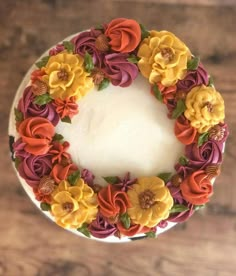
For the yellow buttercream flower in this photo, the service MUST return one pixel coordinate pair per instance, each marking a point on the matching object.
(74, 205)
(151, 201)
(163, 58)
(205, 108)
(66, 77)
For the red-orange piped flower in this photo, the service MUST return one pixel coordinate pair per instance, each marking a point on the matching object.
(197, 188)
(59, 152)
(124, 34)
(66, 108)
(60, 172)
(168, 93)
(133, 230)
(184, 132)
(37, 133)
(112, 202)
(37, 75)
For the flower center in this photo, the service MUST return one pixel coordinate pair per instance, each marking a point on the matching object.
(63, 75)
(68, 206)
(146, 199)
(46, 185)
(209, 106)
(167, 54)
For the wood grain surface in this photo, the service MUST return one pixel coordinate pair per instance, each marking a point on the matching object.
(31, 245)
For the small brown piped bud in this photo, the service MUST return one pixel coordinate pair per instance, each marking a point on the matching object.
(180, 95)
(217, 133)
(46, 185)
(39, 87)
(176, 180)
(98, 76)
(96, 188)
(102, 43)
(212, 171)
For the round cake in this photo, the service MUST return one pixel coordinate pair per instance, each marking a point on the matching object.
(117, 133)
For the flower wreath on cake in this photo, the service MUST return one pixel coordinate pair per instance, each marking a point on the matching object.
(114, 54)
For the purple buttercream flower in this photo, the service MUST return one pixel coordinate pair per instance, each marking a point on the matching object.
(32, 168)
(85, 42)
(88, 177)
(54, 51)
(178, 199)
(19, 149)
(30, 109)
(125, 183)
(120, 71)
(100, 228)
(193, 78)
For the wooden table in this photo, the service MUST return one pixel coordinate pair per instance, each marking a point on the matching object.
(32, 245)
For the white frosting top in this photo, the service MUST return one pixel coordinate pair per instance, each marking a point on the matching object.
(122, 129)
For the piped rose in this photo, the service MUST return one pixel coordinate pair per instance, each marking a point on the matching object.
(112, 202)
(30, 109)
(32, 168)
(124, 34)
(119, 70)
(60, 172)
(197, 188)
(37, 134)
(184, 132)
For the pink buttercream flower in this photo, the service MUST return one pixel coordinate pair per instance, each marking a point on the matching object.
(119, 70)
(57, 49)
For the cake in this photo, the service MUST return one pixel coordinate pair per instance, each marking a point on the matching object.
(117, 133)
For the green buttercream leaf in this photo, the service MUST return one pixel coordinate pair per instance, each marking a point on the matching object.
(43, 62)
(111, 179)
(151, 234)
(211, 81)
(178, 208)
(42, 99)
(133, 59)
(74, 177)
(89, 66)
(66, 119)
(84, 230)
(144, 32)
(193, 63)
(157, 92)
(45, 206)
(58, 137)
(165, 176)
(198, 207)
(183, 160)
(99, 27)
(202, 138)
(69, 46)
(104, 84)
(125, 219)
(18, 115)
(179, 109)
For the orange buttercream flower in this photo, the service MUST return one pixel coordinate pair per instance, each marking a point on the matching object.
(37, 133)
(60, 172)
(112, 202)
(168, 93)
(132, 230)
(185, 133)
(124, 34)
(66, 107)
(60, 153)
(197, 188)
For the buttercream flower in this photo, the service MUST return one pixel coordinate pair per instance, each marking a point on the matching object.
(124, 34)
(204, 108)
(150, 201)
(101, 228)
(37, 134)
(88, 177)
(28, 108)
(125, 183)
(168, 93)
(178, 199)
(59, 152)
(199, 157)
(193, 78)
(184, 132)
(163, 58)
(57, 49)
(119, 70)
(32, 168)
(134, 229)
(66, 77)
(37, 75)
(74, 205)
(197, 188)
(219, 133)
(66, 108)
(60, 172)
(112, 202)
(19, 149)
